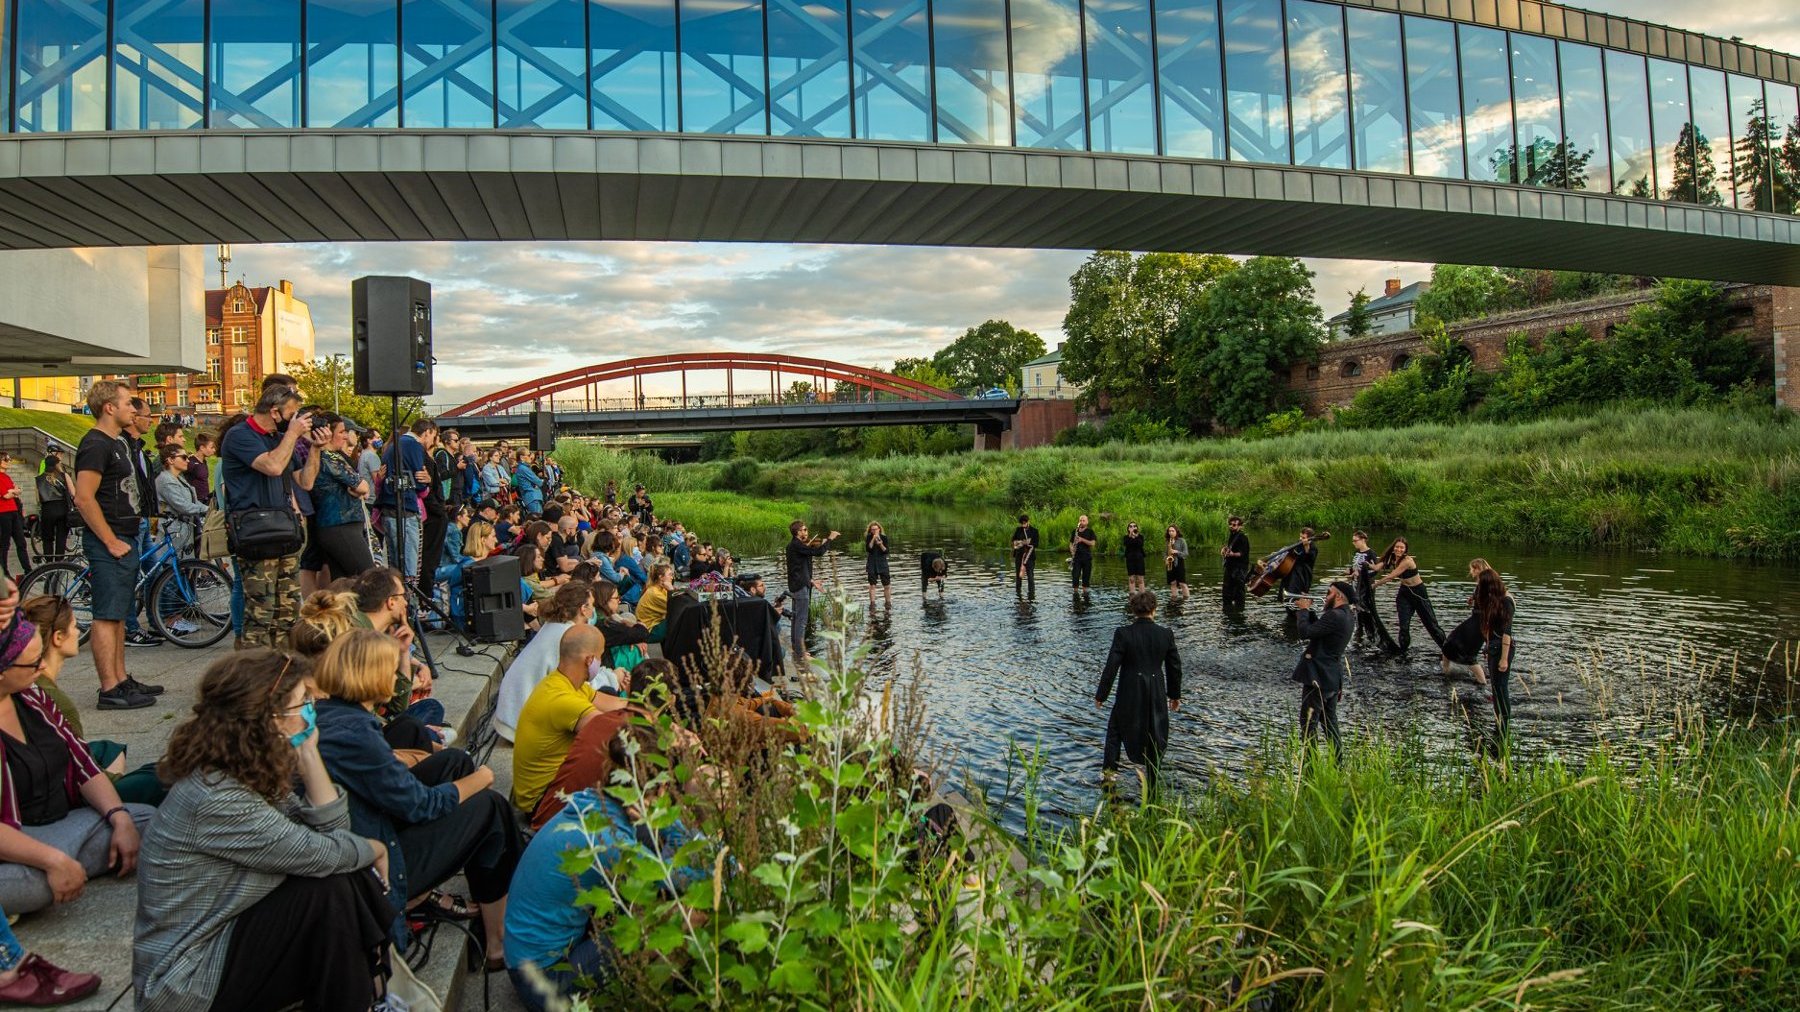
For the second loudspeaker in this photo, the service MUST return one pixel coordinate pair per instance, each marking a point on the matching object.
(390, 336)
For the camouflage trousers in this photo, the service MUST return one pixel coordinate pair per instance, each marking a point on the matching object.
(271, 600)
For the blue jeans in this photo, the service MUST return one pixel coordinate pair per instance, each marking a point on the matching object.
(800, 606)
(237, 599)
(585, 959)
(112, 583)
(143, 549)
(402, 549)
(11, 952)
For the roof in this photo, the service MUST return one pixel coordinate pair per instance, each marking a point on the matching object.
(1389, 303)
(1053, 358)
(215, 303)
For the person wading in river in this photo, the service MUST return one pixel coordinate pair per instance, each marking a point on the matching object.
(1236, 554)
(800, 555)
(1411, 597)
(1362, 577)
(1081, 553)
(1321, 670)
(1147, 665)
(875, 561)
(1024, 554)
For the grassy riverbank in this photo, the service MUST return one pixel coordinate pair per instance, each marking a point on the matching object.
(1694, 481)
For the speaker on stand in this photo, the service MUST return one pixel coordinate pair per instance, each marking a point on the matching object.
(390, 336)
(543, 432)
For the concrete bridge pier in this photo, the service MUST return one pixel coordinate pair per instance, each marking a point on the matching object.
(988, 435)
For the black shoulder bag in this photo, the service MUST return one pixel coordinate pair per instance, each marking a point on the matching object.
(262, 534)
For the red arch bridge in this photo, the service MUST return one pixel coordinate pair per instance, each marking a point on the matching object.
(758, 394)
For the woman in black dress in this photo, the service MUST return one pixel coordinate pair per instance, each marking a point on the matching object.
(1411, 597)
(1494, 610)
(875, 549)
(1134, 559)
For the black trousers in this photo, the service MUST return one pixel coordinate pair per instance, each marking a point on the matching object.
(346, 549)
(1409, 600)
(1234, 590)
(320, 943)
(53, 527)
(1083, 569)
(1318, 711)
(1030, 569)
(431, 546)
(1109, 756)
(1501, 682)
(12, 534)
(481, 838)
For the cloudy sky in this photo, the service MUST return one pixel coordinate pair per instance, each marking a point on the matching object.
(508, 312)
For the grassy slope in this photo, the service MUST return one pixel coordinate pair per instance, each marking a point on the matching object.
(66, 427)
(1692, 481)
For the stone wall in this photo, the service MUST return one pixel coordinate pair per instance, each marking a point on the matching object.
(1038, 422)
(1346, 367)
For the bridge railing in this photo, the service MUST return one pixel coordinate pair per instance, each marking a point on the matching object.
(568, 402)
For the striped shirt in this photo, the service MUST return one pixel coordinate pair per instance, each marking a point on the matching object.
(82, 767)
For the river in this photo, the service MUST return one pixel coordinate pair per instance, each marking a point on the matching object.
(1609, 646)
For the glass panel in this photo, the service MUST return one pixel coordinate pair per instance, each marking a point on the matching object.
(60, 45)
(449, 52)
(634, 64)
(352, 63)
(256, 63)
(1046, 62)
(1121, 99)
(1537, 106)
(1436, 98)
(1187, 54)
(1628, 124)
(1673, 136)
(1377, 91)
(1712, 137)
(541, 63)
(973, 97)
(892, 79)
(1256, 79)
(1784, 134)
(1487, 103)
(722, 70)
(1584, 116)
(809, 69)
(159, 64)
(1319, 85)
(1753, 170)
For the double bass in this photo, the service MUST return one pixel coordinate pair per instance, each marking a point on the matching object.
(1272, 570)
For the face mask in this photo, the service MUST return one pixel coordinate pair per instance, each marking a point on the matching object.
(594, 619)
(309, 716)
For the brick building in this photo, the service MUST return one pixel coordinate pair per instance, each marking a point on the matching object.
(250, 332)
(1768, 315)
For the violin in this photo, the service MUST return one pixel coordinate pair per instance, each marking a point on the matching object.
(1272, 570)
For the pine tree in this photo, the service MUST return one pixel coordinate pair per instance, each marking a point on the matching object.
(1755, 163)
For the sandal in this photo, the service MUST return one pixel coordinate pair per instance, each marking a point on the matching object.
(443, 906)
(41, 984)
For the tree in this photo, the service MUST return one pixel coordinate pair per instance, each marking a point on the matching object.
(1755, 161)
(1696, 175)
(331, 382)
(1238, 342)
(903, 366)
(988, 355)
(1787, 170)
(1357, 319)
(1124, 313)
(1464, 293)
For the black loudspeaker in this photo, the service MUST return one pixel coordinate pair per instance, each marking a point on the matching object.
(390, 336)
(493, 605)
(543, 434)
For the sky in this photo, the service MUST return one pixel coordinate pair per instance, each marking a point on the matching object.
(504, 313)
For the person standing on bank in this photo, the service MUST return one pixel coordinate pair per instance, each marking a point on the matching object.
(800, 555)
(1134, 559)
(1321, 670)
(1024, 554)
(1236, 554)
(106, 494)
(1147, 665)
(53, 506)
(1411, 597)
(256, 465)
(875, 549)
(1175, 560)
(1082, 543)
(12, 521)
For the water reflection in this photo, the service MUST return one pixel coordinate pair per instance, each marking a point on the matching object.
(1607, 647)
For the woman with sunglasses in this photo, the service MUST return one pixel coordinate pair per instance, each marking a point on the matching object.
(255, 896)
(1134, 559)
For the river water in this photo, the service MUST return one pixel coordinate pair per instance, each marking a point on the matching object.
(1609, 646)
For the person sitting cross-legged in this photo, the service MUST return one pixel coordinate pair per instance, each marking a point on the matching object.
(559, 707)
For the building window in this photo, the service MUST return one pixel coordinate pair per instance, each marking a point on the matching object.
(1401, 361)
(212, 370)
(1351, 369)
(240, 363)
(237, 305)
(240, 335)
(212, 335)
(1312, 372)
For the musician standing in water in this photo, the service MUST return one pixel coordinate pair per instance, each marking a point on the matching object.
(1321, 670)
(1236, 554)
(875, 555)
(1148, 667)
(1306, 555)
(1081, 553)
(1368, 620)
(1398, 564)
(1176, 561)
(1024, 554)
(1134, 559)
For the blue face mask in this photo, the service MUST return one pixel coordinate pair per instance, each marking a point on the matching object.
(309, 715)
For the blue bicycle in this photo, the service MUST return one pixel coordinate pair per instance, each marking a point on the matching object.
(188, 599)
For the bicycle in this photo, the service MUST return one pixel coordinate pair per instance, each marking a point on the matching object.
(188, 600)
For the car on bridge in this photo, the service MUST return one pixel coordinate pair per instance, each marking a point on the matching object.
(994, 394)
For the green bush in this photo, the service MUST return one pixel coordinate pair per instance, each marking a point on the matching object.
(738, 475)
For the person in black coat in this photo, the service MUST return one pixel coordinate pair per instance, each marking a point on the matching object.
(1148, 667)
(1236, 554)
(1321, 670)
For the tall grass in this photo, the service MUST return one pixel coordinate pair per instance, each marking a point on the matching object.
(1694, 481)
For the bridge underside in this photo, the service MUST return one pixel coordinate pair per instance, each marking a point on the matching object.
(991, 416)
(264, 186)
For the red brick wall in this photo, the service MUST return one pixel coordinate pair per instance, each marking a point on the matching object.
(1756, 309)
(1038, 422)
(1784, 325)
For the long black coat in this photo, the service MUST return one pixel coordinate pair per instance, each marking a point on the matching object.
(1327, 636)
(1148, 667)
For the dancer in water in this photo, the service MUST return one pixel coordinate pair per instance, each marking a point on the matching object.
(1082, 542)
(1024, 554)
(1236, 554)
(1362, 577)
(1134, 558)
(1398, 564)
(933, 568)
(1175, 561)
(1147, 665)
(1321, 670)
(875, 551)
(1494, 609)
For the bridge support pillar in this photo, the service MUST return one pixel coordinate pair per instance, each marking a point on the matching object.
(1785, 307)
(988, 435)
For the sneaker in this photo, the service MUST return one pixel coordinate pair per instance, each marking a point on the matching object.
(121, 697)
(142, 639)
(183, 626)
(446, 735)
(41, 983)
(141, 688)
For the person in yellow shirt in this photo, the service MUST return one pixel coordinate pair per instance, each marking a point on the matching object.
(558, 708)
(653, 607)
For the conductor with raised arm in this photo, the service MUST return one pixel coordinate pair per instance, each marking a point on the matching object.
(801, 551)
(1321, 669)
(1147, 666)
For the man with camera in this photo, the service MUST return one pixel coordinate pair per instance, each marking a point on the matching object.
(258, 470)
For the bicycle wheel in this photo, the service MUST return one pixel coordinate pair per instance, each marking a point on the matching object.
(190, 604)
(63, 579)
